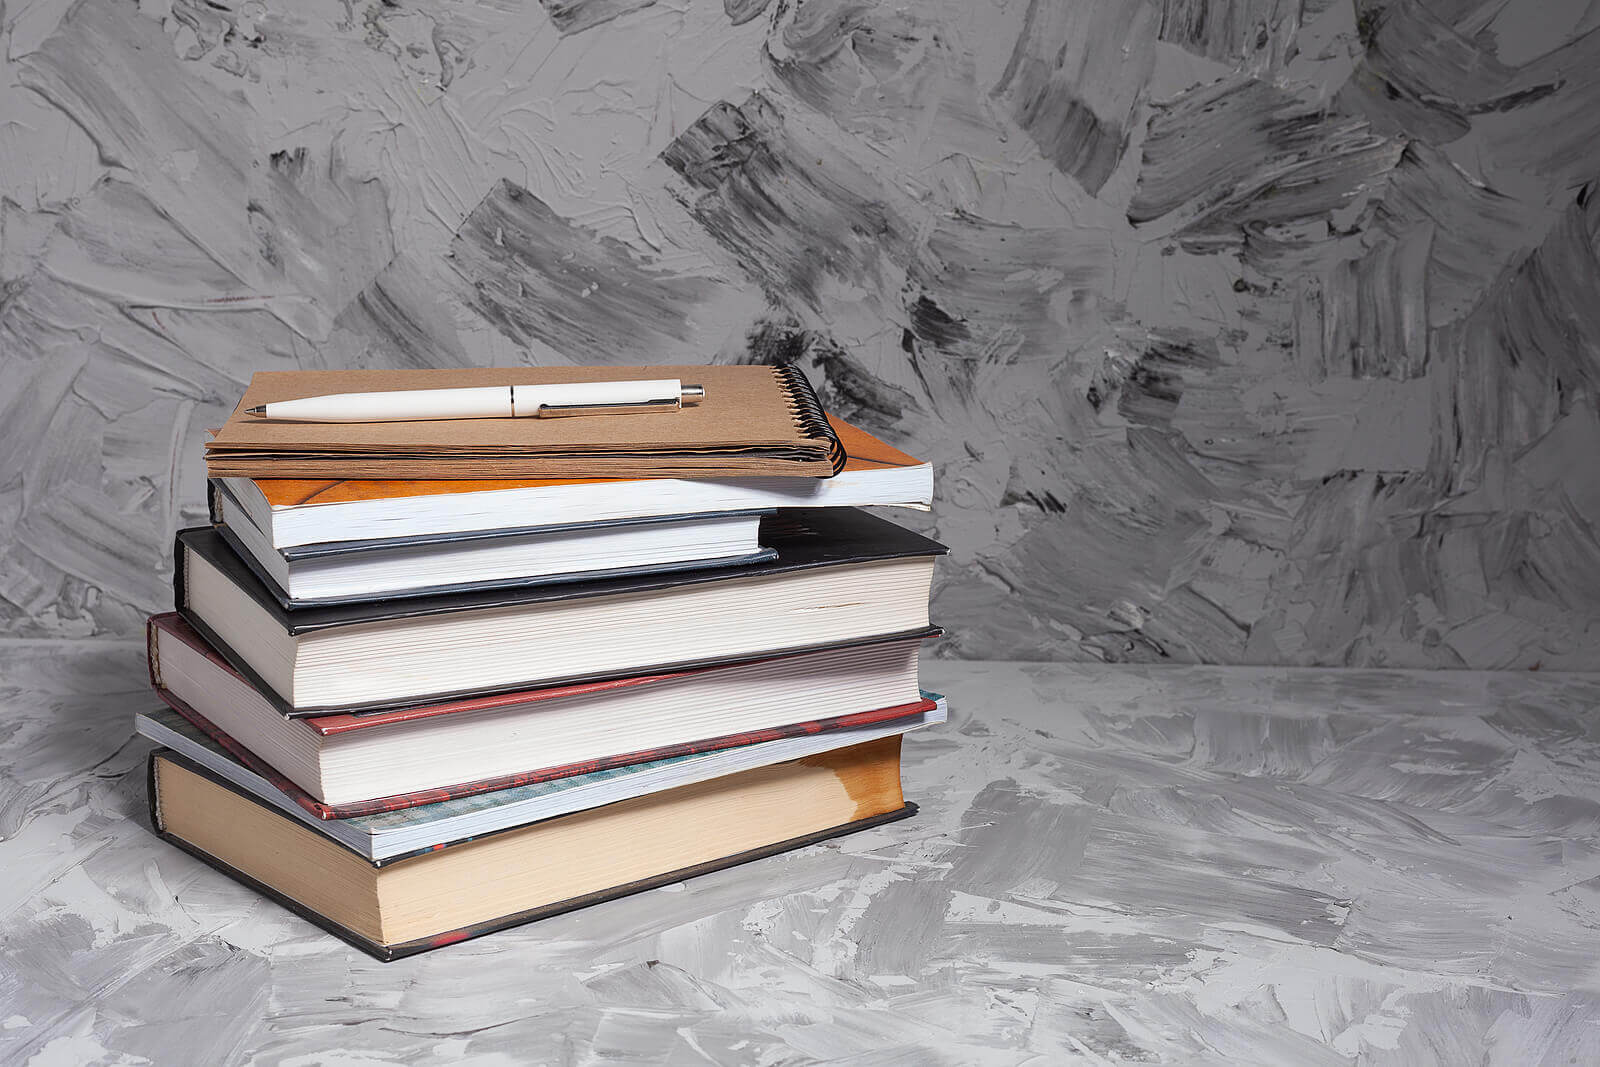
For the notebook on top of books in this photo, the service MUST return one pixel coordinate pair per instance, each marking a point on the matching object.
(753, 421)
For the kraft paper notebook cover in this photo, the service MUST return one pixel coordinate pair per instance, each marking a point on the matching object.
(754, 420)
(187, 800)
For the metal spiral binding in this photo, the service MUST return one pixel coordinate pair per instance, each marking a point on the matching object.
(807, 412)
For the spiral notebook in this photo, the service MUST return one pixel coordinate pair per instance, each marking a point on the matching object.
(754, 421)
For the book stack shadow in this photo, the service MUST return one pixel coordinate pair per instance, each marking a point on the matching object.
(417, 711)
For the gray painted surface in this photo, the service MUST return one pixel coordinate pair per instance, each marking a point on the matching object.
(1112, 864)
(1240, 330)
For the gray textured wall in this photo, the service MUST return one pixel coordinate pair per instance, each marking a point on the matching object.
(1240, 330)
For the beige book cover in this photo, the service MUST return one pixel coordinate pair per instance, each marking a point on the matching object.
(753, 421)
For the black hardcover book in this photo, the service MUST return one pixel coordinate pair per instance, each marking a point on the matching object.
(401, 651)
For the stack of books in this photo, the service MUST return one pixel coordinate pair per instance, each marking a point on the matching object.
(417, 710)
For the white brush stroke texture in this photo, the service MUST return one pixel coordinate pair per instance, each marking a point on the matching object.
(1376, 461)
(1110, 864)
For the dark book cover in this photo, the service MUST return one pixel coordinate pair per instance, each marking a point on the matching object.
(804, 539)
(389, 953)
(172, 623)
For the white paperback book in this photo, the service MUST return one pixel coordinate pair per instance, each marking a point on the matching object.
(333, 573)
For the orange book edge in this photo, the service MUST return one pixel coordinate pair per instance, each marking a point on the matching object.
(865, 453)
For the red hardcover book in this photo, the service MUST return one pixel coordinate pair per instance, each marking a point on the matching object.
(189, 676)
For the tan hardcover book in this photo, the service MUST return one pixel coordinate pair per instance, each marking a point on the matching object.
(753, 421)
(518, 875)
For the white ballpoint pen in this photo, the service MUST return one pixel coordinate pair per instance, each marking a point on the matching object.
(488, 402)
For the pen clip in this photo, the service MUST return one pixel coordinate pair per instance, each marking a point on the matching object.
(556, 411)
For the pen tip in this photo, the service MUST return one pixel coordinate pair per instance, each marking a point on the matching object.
(692, 394)
(259, 409)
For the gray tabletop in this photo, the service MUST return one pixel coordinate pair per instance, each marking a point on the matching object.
(1192, 865)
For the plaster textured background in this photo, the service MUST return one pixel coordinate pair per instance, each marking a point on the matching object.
(1240, 330)
(1203, 866)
